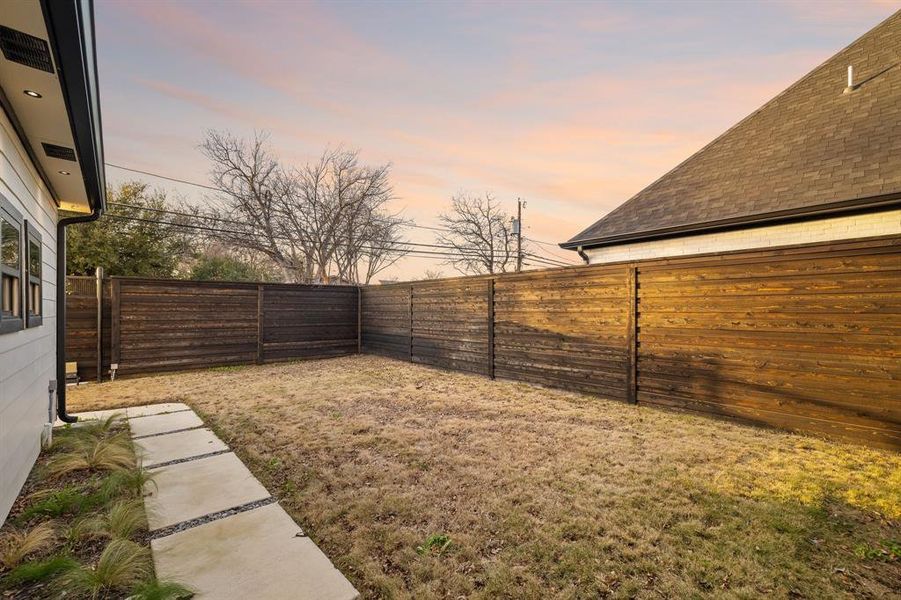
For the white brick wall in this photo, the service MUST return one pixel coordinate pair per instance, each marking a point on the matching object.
(821, 230)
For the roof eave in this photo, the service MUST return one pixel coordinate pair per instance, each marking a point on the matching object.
(70, 25)
(846, 206)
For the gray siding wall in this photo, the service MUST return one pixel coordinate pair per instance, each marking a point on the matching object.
(27, 357)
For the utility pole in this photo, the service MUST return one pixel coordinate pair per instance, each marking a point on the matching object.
(517, 230)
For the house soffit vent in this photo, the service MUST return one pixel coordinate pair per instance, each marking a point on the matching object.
(25, 49)
(61, 152)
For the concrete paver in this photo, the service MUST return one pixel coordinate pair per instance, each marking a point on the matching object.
(177, 446)
(199, 487)
(155, 409)
(163, 423)
(260, 553)
(255, 554)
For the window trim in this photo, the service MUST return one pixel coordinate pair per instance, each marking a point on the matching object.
(32, 235)
(13, 324)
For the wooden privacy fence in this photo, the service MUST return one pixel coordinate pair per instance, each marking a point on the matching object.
(149, 325)
(803, 338)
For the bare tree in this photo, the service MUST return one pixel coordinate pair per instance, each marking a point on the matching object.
(432, 274)
(341, 206)
(480, 234)
(325, 222)
(254, 190)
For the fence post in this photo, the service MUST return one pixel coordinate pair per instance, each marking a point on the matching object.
(359, 319)
(632, 337)
(259, 323)
(411, 323)
(115, 325)
(98, 281)
(491, 328)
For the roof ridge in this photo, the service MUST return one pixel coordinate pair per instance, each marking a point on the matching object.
(581, 235)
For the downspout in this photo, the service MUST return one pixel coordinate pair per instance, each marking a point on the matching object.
(583, 255)
(61, 225)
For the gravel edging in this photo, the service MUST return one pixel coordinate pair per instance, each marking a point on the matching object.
(149, 435)
(177, 461)
(166, 531)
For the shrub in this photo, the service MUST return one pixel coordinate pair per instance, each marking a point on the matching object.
(130, 482)
(16, 544)
(104, 454)
(122, 565)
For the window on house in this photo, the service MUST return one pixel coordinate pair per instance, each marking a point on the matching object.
(33, 297)
(10, 269)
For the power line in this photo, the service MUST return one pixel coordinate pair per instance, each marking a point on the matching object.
(233, 222)
(457, 254)
(549, 245)
(215, 189)
(244, 224)
(175, 179)
(547, 261)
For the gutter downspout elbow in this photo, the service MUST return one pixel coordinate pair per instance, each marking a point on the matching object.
(583, 255)
(61, 225)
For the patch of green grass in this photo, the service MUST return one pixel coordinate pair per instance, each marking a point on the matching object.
(38, 570)
(160, 590)
(131, 482)
(71, 500)
(889, 550)
(437, 543)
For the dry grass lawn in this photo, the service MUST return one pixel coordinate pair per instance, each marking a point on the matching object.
(542, 493)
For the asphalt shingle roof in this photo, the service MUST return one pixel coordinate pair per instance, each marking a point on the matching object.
(809, 147)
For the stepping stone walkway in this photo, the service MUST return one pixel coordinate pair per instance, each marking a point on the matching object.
(213, 526)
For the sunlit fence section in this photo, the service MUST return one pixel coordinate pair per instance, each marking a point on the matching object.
(805, 338)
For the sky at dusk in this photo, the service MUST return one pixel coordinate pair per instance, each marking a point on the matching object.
(574, 107)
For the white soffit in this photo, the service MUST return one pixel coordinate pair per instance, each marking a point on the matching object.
(44, 120)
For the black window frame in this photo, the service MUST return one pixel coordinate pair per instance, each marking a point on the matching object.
(32, 235)
(10, 323)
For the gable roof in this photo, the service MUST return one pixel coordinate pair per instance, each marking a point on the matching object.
(812, 149)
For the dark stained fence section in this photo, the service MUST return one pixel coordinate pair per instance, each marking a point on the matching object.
(154, 325)
(450, 324)
(564, 328)
(386, 321)
(173, 325)
(300, 321)
(806, 341)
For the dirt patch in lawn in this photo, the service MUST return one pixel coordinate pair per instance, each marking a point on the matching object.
(419, 482)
